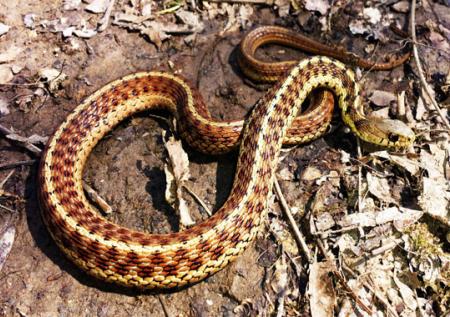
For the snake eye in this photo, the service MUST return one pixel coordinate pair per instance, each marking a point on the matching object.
(393, 137)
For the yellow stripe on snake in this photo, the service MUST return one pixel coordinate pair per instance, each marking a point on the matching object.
(117, 254)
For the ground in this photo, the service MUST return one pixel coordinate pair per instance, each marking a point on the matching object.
(47, 68)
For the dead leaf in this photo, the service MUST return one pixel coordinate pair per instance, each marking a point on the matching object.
(84, 33)
(4, 28)
(16, 69)
(409, 297)
(286, 174)
(146, 8)
(10, 54)
(177, 172)
(97, 6)
(435, 198)
(382, 113)
(69, 5)
(191, 19)
(321, 290)
(6, 242)
(382, 98)
(6, 74)
(412, 166)
(245, 16)
(420, 109)
(439, 42)
(372, 15)
(4, 110)
(311, 173)
(53, 77)
(280, 281)
(283, 7)
(379, 187)
(372, 219)
(321, 6)
(29, 20)
(358, 27)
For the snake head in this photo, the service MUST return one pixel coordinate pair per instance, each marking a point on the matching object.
(394, 133)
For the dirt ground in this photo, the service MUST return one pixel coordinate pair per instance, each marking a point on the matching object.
(127, 167)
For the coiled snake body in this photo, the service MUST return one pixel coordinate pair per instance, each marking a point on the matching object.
(131, 258)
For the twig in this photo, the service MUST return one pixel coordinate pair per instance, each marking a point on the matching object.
(93, 195)
(5, 166)
(380, 250)
(375, 171)
(7, 208)
(198, 199)
(166, 313)
(420, 69)
(30, 147)
(6, 179)
(297, 234)
(358, 149)
(104, 21)
(360, 199)
(4, 193)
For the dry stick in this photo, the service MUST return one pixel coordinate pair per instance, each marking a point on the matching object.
(380, 250)
(1, 190)
(8, 209)
(29, 146)
(360, 199)
(104, 21)
(6, 179)
(161, 301)
(198, 199)
(34, 149)
(93, 195)
(5, 166)
(420, 69)
(298, 235)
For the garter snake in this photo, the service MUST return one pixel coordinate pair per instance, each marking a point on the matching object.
(117, 254)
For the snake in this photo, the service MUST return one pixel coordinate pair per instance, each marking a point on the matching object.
(131, 258)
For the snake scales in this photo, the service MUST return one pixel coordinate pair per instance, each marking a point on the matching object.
(131, 258)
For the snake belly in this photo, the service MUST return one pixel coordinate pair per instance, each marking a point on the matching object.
(131, 258)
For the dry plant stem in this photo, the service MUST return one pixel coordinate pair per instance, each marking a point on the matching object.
(6, 166)
(7, 209)
(93, 195)
(420, 69)
(380, 250)
(104, 21)
(30, 147)
(161, 301)
(34, 149)
(298, 235)
(198, 199)
(360, 199)
(341, 278)
(6, 179)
